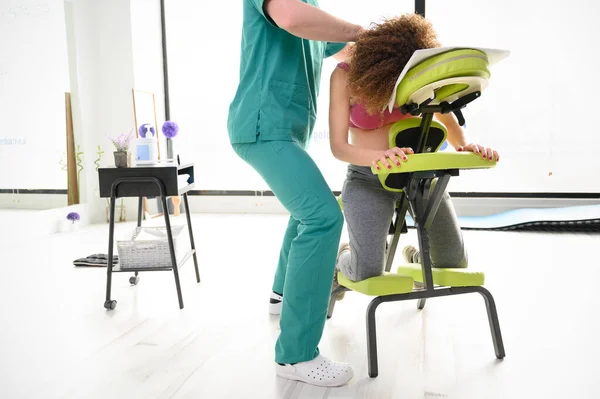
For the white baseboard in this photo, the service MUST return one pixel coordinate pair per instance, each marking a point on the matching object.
(229, 204)
(33, 201)
(37, 223)
(463, 206)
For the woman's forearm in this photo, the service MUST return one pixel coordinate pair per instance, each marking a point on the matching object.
(456, 135)
(355, 155)
(309, 22)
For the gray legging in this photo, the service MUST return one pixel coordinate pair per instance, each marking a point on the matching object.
(368, 210)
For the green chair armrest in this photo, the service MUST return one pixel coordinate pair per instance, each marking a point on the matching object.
(437, 161)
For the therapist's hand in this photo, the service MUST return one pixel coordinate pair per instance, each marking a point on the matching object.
(310, 22)
(393, 156)
(361, 30)
(486, 153)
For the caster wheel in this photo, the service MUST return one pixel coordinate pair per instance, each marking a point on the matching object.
(110, 305)
(133, 280)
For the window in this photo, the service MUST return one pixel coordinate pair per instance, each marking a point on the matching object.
(530, 112)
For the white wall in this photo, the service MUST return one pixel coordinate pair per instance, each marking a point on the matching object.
(529, 113)
(103, 50)
(34, 77)
(146, 34)
(117, 48)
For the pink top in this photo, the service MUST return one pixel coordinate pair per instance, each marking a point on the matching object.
(361, 119)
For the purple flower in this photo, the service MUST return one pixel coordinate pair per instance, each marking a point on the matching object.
(142, 131)
(170, 129)
(73, 217)
(122, 142)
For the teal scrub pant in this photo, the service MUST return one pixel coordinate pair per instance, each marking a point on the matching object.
(306, 265)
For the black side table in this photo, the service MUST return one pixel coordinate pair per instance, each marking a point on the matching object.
(147, 181)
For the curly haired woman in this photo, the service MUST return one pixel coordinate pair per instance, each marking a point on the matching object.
(360, 89)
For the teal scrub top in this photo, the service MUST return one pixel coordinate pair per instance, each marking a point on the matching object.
(279, 81)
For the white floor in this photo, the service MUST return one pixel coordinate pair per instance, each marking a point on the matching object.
(57, 341)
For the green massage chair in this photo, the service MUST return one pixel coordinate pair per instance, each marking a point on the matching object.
(434, 81)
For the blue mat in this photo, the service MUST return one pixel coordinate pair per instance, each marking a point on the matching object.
(572, 219)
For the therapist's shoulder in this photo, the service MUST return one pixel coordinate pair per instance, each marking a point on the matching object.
(265, 8)
(281, 14)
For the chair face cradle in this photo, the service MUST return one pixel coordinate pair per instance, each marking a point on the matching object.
(443, 83)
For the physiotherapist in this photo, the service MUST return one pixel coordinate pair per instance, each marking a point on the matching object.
(271, 119)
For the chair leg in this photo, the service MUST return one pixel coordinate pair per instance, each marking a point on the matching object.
(331, 308)
(372, 337)
(421, 303)
(391, 249)
(333, 299)
(490, 304)
(397, 227)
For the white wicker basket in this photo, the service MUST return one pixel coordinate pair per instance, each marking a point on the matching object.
(150, 252)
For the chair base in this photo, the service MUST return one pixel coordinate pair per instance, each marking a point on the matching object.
(422, 295)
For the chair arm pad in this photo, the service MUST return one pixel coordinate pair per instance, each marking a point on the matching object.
(437, 161)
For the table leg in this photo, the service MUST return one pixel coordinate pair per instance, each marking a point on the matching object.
(108, 303)
(172, 250)
(189, 223)
(140, 211)
(176, 205)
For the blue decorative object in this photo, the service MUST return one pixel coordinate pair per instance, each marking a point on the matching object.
(73, 217)
(170, 129)
(145, 129)
(142, 152)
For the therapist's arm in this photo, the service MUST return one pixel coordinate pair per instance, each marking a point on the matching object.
(309, 22)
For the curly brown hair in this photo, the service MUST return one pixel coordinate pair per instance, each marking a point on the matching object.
(380, 54)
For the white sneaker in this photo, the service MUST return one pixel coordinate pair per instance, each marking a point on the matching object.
(275, 303)
(411, 254)
(343, 248)
(320, 371)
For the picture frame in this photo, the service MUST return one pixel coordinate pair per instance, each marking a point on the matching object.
(144, 111)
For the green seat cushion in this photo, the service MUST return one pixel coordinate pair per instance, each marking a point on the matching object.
(448, 65)
(387, 284)
(437, 161)
(445, 277)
